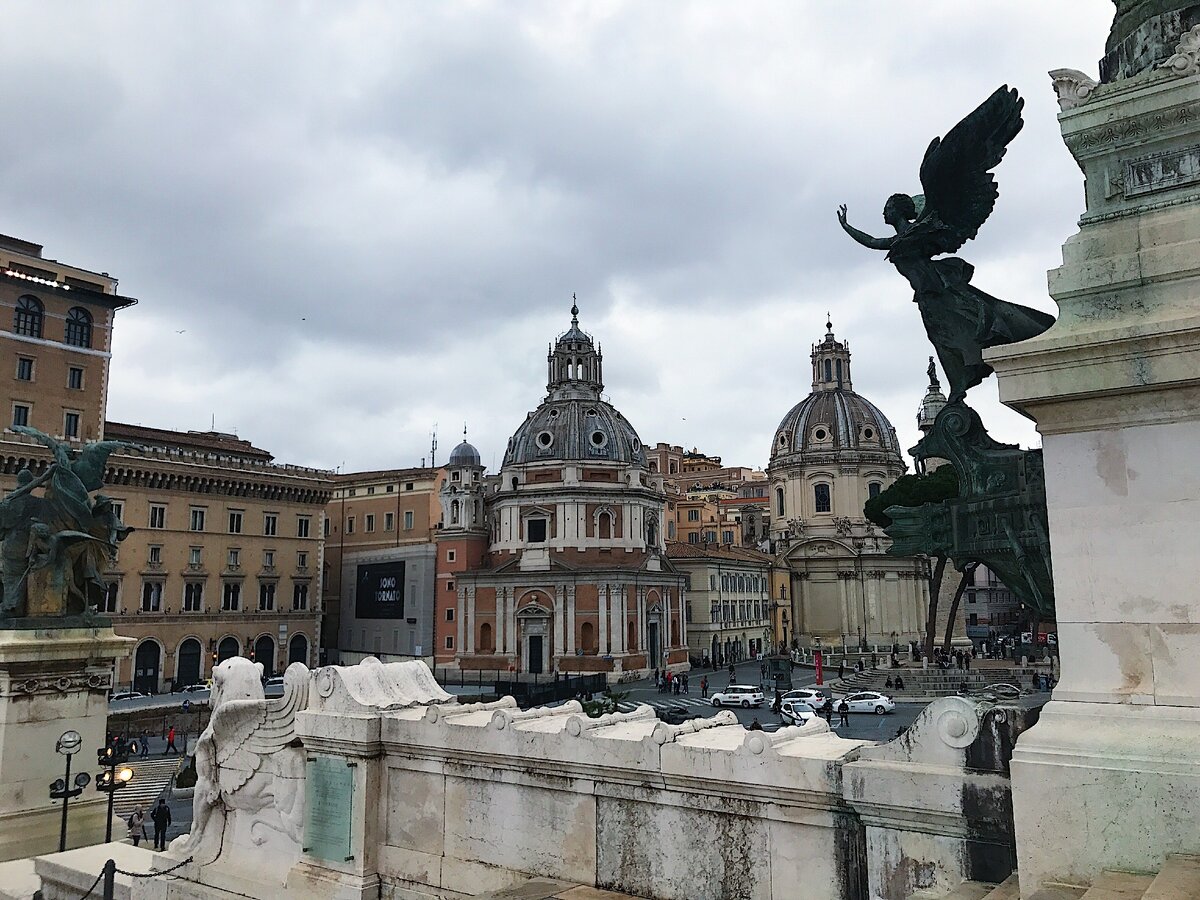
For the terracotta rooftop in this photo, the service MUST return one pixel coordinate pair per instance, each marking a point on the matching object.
(205, 441)
(681, 550)
(386, 474)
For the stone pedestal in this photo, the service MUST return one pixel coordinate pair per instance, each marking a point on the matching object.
(52, 680)
(1110, 776)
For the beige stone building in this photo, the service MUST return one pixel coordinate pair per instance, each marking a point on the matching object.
(729, 614)
(831, 452)
(225, 558)
(381, 524)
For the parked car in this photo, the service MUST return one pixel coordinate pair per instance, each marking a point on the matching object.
(124, 695)
(277, 681)
(811, 696)
(795, 712)
(195, 688)
(743, 695)
(869, 701)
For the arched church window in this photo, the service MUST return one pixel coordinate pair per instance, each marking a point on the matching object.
(874, 488)
(779, 501)
(839, 371)
(604, 526)
(79, 327)
(485, 638)
(828, 371)
(454, 513)
(587, 638)
(821, 497)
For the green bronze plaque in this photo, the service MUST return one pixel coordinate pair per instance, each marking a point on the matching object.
(328, 808)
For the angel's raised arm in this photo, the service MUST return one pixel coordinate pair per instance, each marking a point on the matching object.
(871, 243)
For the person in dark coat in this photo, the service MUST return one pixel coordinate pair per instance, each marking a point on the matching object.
(161, 816)
(844, 713)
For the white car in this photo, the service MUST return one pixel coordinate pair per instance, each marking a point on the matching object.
(867, 701)
(795, 712)
(743, 695)
(125, 695)
(195, 688)
(811, 696)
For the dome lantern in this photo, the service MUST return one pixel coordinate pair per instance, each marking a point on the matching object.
(831, 362)
(575, 364)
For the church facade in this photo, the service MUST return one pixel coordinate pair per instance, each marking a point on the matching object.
(557, 562)
(830, 454)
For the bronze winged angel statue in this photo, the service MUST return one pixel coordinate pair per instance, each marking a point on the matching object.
(960, 319)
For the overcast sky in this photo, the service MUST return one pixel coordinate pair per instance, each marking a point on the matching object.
(346, 222)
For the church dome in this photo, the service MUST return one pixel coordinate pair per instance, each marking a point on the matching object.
(464, 455)
(573, 422)
(833, 417)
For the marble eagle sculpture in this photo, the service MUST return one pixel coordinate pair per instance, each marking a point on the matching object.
(249, 765)
(959, 195)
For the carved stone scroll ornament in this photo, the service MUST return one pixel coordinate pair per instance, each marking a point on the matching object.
(1186, 60)
(250, 766)
(1072, 87)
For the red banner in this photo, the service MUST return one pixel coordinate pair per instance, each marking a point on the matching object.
(820, 667)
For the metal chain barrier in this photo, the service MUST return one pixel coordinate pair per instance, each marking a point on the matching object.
(117, 871)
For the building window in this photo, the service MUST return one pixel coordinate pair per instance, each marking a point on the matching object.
(231, 596)
(28, 318)
(450, 585)
(266, 596)
(234, 559)
(152, 596)
(20, 414)
(873, 489)
(408, 486)
(371, 490)
(353, 491)
(300, 595)
(687, 612)
(118, 510)
(326, 529)
(449, 642)
(973, 619)
(710, 537)
(270, 524)
(408, 520)
(693, 538)
(455, 476)
(79, 327)
(24, 368)
(451, 556)
(194, 556)
(302, 525)
(821, 497)
(71, 425)
(535, 531)
(196, 519)
(193, 596)
(727, 537)
(693, 515)
(450, 614)
(350, 525)
(155, 557)
(779, 501)
(389, 521)
(158, 515)
(235, 521)
(712, 582)
(75, 378)
(302, 560)
(108, 600)
(268, 559)
(369, 522)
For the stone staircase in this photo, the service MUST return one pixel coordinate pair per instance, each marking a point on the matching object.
(1179, 879)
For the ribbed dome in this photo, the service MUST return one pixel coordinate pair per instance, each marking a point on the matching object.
(464, 455)
(575, 429)
(828, 420)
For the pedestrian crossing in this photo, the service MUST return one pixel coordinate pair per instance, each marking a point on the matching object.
(150, 776)
(675, 701)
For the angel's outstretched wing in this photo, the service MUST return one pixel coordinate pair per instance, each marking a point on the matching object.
(246, 731)
(959, 189)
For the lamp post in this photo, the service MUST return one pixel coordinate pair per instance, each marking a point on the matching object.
(63, 788)
(113, 779)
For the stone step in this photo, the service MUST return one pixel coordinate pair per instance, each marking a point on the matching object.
(968, 890)
(1057, 892)
(1179, 879)
(1118, 886)
(1009, 889)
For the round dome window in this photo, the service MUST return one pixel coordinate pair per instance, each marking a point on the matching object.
(599, 439)
(591, 412)
(637, 445)
(868, 433)
(554, 413)
(821, 434)
(545, 439)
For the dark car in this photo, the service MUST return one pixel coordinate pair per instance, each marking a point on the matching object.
(675, 715)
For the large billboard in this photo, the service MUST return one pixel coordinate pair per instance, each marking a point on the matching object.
(380, 591)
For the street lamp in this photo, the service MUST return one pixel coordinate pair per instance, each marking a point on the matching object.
(113, 779)
(63, 788)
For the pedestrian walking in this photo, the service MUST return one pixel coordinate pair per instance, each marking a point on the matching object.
(171, 748)
(657, 676)
(161, 817)
(137, 825)
(676, 684)
(843, 713)
(704, 687)
(145, 743)
(732, 673)
(842, 669)
(685, 682)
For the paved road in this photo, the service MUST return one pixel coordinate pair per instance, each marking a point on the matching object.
(862, 725)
